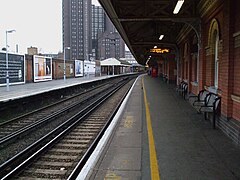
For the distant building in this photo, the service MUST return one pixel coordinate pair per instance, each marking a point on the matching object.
(50, 55)
(76, 22)
(131, 60)
(88, 32)
(110, 43)
(32, 50)
(97, 28)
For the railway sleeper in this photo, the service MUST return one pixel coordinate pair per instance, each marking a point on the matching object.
(56, 158)
(59, 165)
(81, 129)
(43, 173)
(77, 138)
(75, 151)
(71, 146)
(82, 134)
(75, 141)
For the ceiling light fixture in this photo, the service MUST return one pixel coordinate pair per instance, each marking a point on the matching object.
(178, 6)
(161, 37)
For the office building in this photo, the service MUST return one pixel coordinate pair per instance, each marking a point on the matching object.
(110, 43)
(88, 32)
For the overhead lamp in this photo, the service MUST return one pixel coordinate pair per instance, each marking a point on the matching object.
(178, 6)
(155, 47)
(161, 37)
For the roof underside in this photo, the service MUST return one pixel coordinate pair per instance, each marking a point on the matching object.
(141, 22)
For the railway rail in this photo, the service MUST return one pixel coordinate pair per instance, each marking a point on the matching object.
(16, 124)
(44, 120)
(59, 151)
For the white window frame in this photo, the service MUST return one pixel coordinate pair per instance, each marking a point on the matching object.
(216, 61)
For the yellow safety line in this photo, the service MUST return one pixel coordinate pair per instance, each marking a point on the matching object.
(152, 151)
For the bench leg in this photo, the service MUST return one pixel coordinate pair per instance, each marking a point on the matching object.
(214, 120)
(205, 115)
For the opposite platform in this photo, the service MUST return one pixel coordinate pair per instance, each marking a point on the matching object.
(186, 145)
(30, 89)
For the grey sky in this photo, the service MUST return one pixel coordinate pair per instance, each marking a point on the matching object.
(37, 23)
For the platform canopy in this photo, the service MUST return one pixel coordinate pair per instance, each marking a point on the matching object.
(110, 62)
(114, 62)
(142, 22)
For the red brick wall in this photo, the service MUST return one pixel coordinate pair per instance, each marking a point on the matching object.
(209, 74)
(236, 112)
(193, 70)
(28, 68)
(58, 71)
(229, 57)
(236, 86)
(236, 89)
(171, 67)
(227, 61)
(202, 57)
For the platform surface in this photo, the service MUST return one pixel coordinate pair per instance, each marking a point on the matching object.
(186, 145)
(28, 89)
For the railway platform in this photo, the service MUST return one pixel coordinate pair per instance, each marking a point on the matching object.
(156, 134)
(160, 136)
(29, 89)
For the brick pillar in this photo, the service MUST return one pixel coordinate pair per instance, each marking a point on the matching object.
(202, 60)
(227, 61)
(189, 72)
(171, 65)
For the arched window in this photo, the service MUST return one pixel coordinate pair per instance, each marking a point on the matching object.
(213, 43)
(216, 59)
(195, 59)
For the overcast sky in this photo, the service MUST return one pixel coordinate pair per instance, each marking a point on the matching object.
(37, 23)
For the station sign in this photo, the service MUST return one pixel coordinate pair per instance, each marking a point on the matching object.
(159, 50)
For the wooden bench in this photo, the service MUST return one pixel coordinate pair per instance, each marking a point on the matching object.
(211, 104)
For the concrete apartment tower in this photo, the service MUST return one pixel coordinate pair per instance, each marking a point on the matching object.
(98, 15)
(76, 23)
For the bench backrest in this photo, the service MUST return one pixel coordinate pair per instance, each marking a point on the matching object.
(213, 100)
(184, 86)
(216, 103)
(202, 95)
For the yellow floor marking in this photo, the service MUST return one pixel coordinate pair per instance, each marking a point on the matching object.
(128, 122)
(152, 151)
(112, 176)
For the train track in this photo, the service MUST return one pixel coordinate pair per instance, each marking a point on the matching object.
(61, 154)
(44, 120)
(15, 125)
